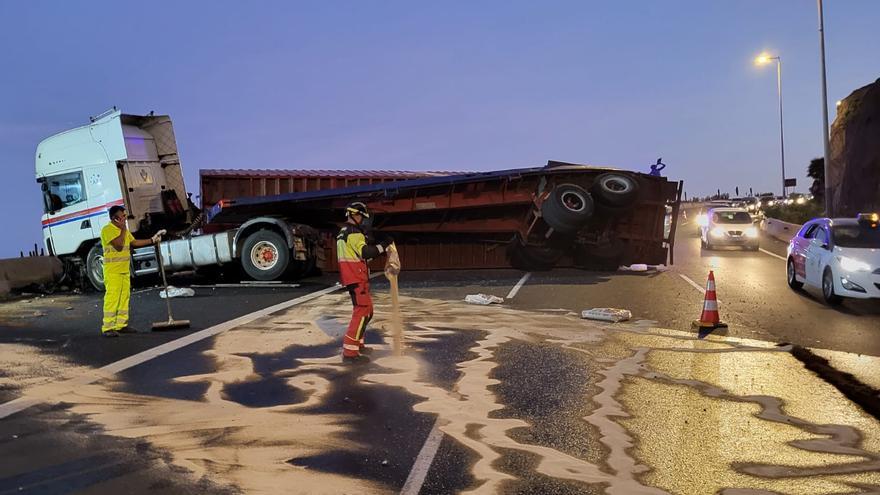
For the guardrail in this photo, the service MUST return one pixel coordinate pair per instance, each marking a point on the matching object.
(16, 273)
(783, 231)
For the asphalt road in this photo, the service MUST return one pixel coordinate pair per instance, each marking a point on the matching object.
(523, 397)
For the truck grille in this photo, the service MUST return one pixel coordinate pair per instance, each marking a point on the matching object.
(736, 232)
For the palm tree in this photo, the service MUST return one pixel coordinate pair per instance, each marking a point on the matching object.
(816, 170)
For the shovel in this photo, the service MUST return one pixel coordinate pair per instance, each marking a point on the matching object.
(171, 324)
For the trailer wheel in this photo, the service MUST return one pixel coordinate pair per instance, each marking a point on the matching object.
(265, 255)
(95, 267)
(567, 208)
(532, 258)
(615, 189)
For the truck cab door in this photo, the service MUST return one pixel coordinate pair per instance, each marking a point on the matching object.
(66, 219)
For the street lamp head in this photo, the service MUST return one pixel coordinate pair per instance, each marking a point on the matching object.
(764, 59)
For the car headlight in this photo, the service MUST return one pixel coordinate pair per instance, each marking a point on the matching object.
(752, 232)
(771, 203)
(852, 265)
(800, 201)
(717, 232)
(702, 220)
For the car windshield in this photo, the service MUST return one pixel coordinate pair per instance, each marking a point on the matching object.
(732, 217)
(856, 236)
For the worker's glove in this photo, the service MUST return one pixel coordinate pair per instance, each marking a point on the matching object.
(386, 241)
(158, 236)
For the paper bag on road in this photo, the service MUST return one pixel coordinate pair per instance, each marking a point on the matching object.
(606, 314)
(483, 299)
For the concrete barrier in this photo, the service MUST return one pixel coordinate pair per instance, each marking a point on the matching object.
(16, 273)
(783, 231)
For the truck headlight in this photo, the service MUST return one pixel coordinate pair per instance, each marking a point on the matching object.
(852, 265)
(717, 232)
(752, 232)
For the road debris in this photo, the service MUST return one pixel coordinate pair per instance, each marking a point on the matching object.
(606, 314)
(252, 285)
(173, 291)
(642, 267)
(483, 299)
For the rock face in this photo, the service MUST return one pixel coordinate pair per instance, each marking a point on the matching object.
(855, 153)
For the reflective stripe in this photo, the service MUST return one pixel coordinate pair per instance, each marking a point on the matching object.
(361, 327)
(117, 259)
(710, 305)
(350, 347)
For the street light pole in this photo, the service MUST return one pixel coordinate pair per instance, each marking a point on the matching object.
(765, 59)
(825, 144)
(781, 133)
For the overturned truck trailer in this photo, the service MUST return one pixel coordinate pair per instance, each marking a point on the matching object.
(562, 214)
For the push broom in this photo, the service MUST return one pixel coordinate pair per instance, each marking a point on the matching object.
(171, 324)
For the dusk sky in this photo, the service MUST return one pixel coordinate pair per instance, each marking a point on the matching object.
(434, 85)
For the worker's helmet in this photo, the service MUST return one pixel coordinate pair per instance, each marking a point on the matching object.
(357, 207)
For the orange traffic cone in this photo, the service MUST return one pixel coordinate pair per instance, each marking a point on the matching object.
(710, 318)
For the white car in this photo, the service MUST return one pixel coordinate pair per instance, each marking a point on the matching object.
(728, 227)
(840, 256)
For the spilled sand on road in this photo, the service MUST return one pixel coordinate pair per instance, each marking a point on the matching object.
(675, 413)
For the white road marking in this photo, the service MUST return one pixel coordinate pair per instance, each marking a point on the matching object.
(420, 468)
(518, 286)
(688, 280)
(25, 402)
(772, 254)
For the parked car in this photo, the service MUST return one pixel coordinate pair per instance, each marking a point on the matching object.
(729, 227)
(840, 256)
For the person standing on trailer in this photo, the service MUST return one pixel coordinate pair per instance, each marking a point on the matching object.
(353, 251)
(117, 242)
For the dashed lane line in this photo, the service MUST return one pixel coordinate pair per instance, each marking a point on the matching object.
(422, 465)
(694, 284)
(518, 286)
(771, 254)
(22, 403)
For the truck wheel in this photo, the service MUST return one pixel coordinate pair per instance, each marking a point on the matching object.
(615, 189)
(95, 267)
(568, 207)
(265, 255)
(531, 258)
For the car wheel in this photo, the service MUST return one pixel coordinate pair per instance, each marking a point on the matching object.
(95, 267)
(265, 255)
(791, 275)
(828, 294)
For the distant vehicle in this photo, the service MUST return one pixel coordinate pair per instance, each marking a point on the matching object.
(796, 199)
(840, 256)
(729, 227)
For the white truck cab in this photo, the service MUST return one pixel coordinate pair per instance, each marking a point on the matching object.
(132, 160)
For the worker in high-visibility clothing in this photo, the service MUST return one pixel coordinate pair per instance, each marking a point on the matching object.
(353, 250)
(117, 242)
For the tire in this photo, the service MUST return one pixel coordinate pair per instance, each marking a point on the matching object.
(265, 255)
(601, 258)
(790, 275)
(532, 258)
(828, 294)
(615, 189)
(568, 208)
(95, 267)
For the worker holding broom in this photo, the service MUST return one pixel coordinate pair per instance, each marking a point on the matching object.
(117, 242)
(353, 251)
